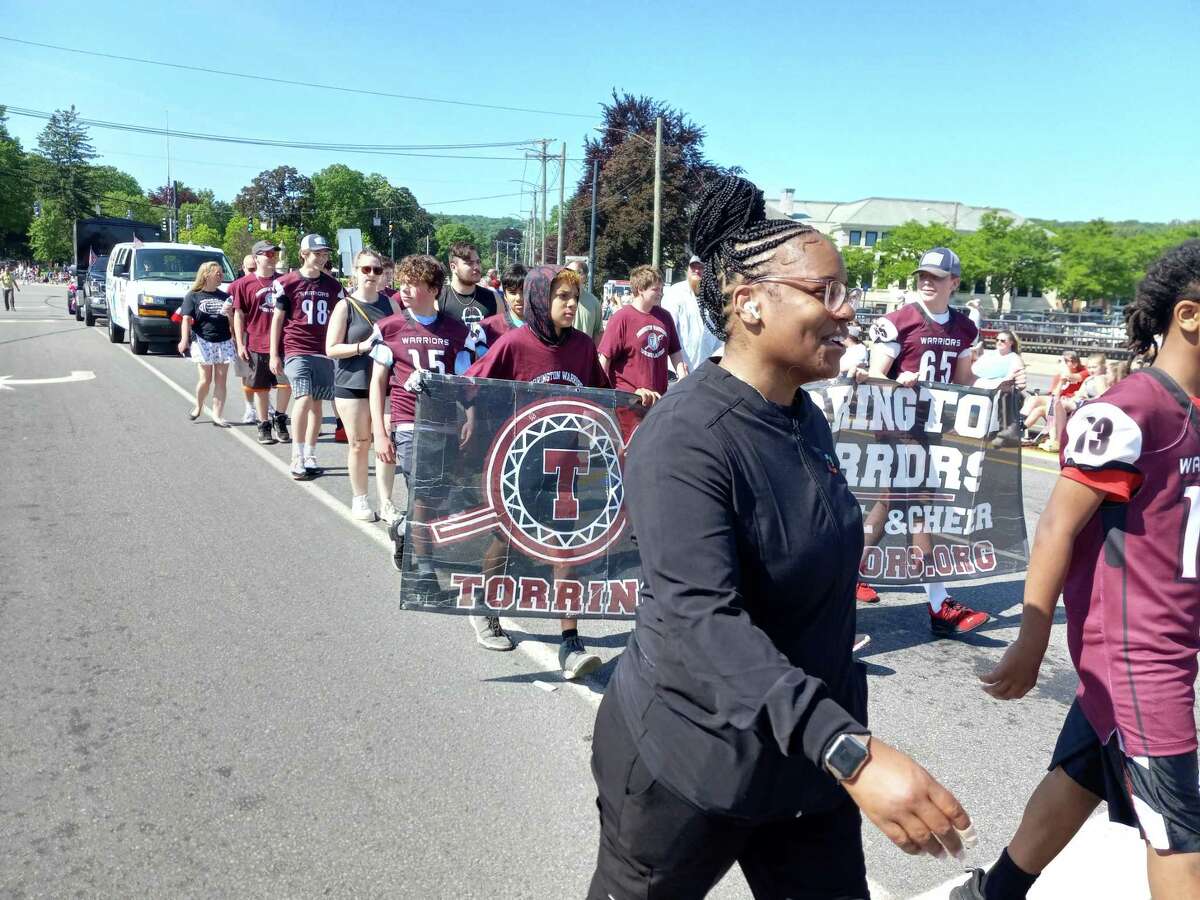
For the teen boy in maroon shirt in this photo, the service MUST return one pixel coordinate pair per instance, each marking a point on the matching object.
(253, 304)
(639, 340)
(1121, 538)
(547, 350)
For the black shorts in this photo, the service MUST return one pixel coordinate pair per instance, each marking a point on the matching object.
(1158, 795)
(654, 844)
(261, 377)
(349, 393)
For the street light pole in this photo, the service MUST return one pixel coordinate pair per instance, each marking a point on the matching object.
(592, 234)
(562, 184)
(656, 254)
(542, 248)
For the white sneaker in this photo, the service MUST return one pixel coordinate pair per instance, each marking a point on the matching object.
(388, 512)
(310, 465)
(249, 417)
(299, 473)
(361, 509)
(489, 634)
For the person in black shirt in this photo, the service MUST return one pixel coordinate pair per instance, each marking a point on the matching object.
(206, 311)
(734, 728)
(462, 296)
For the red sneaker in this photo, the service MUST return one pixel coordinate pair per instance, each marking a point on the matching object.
(954, 618)
(864, 593)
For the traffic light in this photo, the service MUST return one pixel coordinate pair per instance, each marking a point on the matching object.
(391, 228)
(37, 209)
(250, 226)
(164, 224)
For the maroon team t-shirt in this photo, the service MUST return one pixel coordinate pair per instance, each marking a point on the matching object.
(254, 296)
(1132, 591)
(307, 304)
(520, 356)
(496, 326)
(431, 348)
(638, 345)
(926, 347)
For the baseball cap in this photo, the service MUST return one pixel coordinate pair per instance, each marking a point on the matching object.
(264, 246)
(854, 330)
(314, 242)
(695, 259)
(940, 261)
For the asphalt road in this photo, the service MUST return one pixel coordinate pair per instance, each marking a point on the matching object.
(207, 688)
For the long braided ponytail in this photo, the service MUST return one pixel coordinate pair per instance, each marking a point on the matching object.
(733, 237)
(1173, 276)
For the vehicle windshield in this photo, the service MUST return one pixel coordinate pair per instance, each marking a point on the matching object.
(98, 267)
(175, 265)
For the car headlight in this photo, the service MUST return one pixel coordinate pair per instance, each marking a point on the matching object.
(148, 300)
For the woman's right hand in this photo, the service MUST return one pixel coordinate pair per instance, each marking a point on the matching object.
(385, 450)
(243, 353)
(183, 346)
(908, 805)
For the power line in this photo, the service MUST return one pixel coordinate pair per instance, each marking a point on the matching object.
(369, 149)
(304, 84)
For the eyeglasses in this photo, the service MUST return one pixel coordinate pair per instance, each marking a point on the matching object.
(835, 294)
(371, 270)
(1000, 340)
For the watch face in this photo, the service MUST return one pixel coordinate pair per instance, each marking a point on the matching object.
(846, 756)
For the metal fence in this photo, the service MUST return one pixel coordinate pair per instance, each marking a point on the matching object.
(1046, 332)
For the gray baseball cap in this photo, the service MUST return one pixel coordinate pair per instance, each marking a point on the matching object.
(314, 242)
(264, 246)
(940, 261)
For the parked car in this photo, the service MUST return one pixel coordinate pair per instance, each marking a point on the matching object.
(89, 302)
(146, 283)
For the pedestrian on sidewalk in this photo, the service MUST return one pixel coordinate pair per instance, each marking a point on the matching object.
(253, 305)
(734, 729)
(206, 311)
(1120, 539)
(347, 343)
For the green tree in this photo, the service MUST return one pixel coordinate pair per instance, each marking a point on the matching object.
(238, 241)
(399, 207)
(64, 145)
(203, 234)
(280, 195)
(50, 234)
(451, 233)
(1094, 264)
(288, 238)
(860, 265)
(343, 200)
(1009, 256)
(900, 252)
(16, 194)
(119, 195)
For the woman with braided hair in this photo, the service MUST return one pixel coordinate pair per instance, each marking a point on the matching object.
(734, 728)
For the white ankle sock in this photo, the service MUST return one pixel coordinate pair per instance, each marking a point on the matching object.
(936, 592)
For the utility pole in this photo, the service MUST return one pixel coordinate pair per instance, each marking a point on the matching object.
(592, 234)
(656, 254)
(562, 186)
(542, 247)
(167, 114)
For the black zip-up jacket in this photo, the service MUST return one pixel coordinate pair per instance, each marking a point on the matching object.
(740, 671)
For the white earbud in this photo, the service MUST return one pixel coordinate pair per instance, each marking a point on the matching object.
(752, 308)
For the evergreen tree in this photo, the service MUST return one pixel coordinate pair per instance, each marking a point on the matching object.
(64, 144)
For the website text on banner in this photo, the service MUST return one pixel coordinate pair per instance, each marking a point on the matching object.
(940, 501)
(521, 512)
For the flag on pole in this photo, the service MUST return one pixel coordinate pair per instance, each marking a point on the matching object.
(91, 257)
(137, 241)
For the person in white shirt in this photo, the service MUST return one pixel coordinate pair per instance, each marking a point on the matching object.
(856, 356)
(679, 300)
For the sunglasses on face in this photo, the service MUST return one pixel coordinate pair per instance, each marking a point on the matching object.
(371, 270)
(833, 293)
(270, 253)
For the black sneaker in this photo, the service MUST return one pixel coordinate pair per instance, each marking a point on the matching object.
(281, 428)
(396, 533)
(264, 433)
(1008, 437)
(575, 660)
(972, 889)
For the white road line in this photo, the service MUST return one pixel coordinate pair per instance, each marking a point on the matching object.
(34, 321)
(541, 655)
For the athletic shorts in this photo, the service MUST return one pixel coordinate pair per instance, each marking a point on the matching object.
(261, 377)
(348, 393)
(310, 376)
(1158, 795)
(439, 446)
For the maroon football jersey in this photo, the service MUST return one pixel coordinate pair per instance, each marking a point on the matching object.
(924, 346)
(520, 356)
(638, 346)
(254, 296)
(307, 304)
(430, 348)
(1132, 592)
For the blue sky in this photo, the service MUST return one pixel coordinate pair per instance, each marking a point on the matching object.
(1053, 109)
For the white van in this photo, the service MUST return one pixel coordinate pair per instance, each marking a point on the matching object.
(146, 282)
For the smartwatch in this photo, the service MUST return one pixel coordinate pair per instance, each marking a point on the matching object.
(846, 755)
